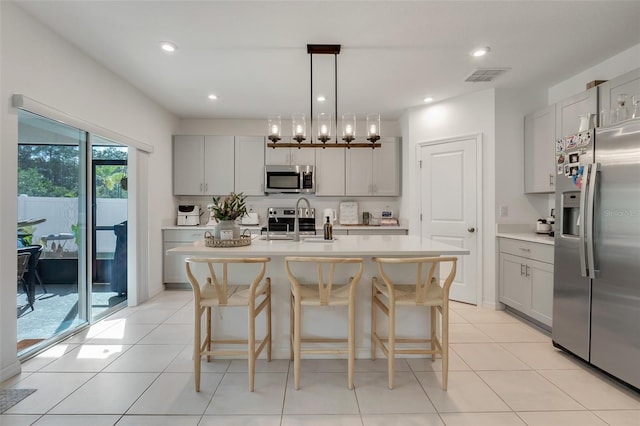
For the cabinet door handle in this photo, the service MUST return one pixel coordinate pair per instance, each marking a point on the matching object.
(206, 187)
(527, 273)
(201, 187)
(521, 269)
(550, 179)
(375, 189)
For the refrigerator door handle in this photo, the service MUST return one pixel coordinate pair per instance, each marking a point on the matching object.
(593, 180)
(583, 221)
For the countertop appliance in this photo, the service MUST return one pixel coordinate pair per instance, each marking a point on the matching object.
(281, 221)
(543, 226)
(331, 214)
(251, 218)
(596, 295)
(289, 179)
(188, 215)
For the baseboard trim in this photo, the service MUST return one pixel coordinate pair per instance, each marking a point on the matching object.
(11, 370)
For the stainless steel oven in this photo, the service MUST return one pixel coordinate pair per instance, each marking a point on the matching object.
(281, 221)
(289, 179)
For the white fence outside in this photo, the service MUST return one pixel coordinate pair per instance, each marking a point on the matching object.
(61, 213)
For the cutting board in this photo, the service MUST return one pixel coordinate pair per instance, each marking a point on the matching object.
(349, 213)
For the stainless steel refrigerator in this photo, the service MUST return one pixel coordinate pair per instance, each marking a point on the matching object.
(596, 297)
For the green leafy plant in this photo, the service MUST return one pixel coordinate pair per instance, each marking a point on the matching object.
(230, 207)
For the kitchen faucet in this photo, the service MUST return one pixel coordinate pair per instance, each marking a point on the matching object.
(272, 214)
(296, 220)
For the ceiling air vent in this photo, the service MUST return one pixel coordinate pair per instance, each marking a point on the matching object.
(481, 75)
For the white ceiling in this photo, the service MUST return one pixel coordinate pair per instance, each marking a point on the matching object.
(252, 54)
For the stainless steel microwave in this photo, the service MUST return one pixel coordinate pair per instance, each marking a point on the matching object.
(289, 179)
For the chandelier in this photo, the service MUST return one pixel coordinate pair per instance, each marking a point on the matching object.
(323, 128)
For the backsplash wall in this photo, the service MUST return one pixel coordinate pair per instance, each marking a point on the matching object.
(260, 204)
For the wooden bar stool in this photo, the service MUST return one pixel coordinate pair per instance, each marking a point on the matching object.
(256, 296)
(325, 292)
(430, 292)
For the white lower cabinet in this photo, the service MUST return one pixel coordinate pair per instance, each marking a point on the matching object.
(526, 278)
(173, 269)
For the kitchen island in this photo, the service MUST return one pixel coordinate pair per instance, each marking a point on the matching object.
(320, 321)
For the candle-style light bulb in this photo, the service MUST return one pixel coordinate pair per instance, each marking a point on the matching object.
(323, 129)
(372, 129)
(348, 129)
(298, 129)
(274, 130)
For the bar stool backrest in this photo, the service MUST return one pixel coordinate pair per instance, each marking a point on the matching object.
(217, 287)
(325, 271)
(423, 283)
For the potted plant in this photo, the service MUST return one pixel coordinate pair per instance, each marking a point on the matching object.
(226, 210)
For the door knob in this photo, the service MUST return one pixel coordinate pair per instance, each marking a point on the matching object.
(471, 229)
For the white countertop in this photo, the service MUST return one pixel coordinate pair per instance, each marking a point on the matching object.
(366, 227)
(259, 227)
(343, 245)
(528, 236)
(205, 227)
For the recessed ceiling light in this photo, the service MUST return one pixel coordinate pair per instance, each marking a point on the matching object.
(321, 98)
(428, 99)
(480, 52)
(213, 97)
(168, 47)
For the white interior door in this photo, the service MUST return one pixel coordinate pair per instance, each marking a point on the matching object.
(450, 180)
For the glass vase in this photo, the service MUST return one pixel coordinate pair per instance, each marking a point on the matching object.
(227, 230)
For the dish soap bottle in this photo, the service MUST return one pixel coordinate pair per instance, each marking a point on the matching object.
(328, 230)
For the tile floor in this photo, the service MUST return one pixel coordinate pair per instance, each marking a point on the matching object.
(135, 369)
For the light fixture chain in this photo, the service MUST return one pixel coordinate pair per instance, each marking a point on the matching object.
(335, 61)
(311, 97)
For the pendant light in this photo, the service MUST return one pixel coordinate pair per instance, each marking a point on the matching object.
(324, 127)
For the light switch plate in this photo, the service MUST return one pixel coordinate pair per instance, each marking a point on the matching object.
(504, 211)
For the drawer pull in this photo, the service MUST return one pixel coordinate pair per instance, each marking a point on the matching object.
(524, 249)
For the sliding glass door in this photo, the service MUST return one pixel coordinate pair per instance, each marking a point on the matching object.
(72, 223)
(109, 226)
(52, 214)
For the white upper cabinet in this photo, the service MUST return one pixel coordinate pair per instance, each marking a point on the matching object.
(291, 156)
(188, 165)
(374, 172)
(539, 150)
(568, 111)
(386, 168)
(628, 84)
(541, 130)
(330, 172)
(218, 165)
(249, 165)
(201, 165)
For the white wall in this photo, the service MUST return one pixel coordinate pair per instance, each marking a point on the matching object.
(511, 107)
(39, 64)
(616, 65)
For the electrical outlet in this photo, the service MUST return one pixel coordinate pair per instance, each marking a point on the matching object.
(504, 211)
